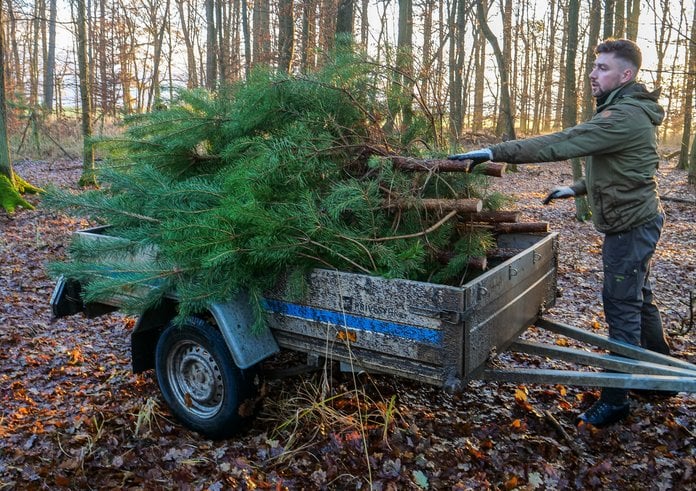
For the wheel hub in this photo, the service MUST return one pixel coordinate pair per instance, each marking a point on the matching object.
(196, 379)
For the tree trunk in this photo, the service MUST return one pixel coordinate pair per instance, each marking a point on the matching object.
(327, 24)
(508, 119)
(620, 18)
(88, 177)
(495, 169)
(262, 33)
(247, 37)
(633, 19)
(479, 79)
(689, 86)
(570, 99)
(286, 35)
(11, 185)
(308, 37)
(211, 46)
(593, 38)
(426, 62)
(608, 30)
(435, 204)
(364, 23)
(400, 110)
(192, 78)
(154, 95)
(345, 18)
(50, 63)
(456, 57)
(692, 165)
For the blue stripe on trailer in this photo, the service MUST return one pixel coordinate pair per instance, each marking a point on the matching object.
(419, 334)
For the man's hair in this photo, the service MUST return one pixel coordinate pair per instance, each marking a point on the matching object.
(624, 49)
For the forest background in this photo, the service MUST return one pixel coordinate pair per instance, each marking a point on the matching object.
(508, 68)
(486, 70)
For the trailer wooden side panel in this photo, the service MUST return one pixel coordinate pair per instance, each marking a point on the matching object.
(423, 331)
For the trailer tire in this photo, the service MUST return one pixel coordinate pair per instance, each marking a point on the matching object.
(200, 381)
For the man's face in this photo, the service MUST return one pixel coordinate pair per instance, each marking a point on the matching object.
(608, 73)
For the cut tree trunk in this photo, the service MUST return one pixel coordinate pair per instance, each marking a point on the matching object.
(492, 217)
(435, 204)
(444, 165)
(522, 228)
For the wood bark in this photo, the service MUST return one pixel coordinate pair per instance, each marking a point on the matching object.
(689, 86)
(500, 216)
(570, 99)
(192, 76)
(592, 41)
(620, 18)
(10, 184)
(308, 36)
(345, 18)
(286, 35)
(521, 228)
(608, 29)
(508, 120)
(437, 204)
(261, 32)
(456, 57)
(50, 63)
(247, 37)
(444, 165)
(211, 46)
(88, 177)
(633, 19)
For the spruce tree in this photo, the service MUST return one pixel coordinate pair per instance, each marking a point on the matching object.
(227, 192)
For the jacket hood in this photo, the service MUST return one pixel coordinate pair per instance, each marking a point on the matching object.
(638, 95)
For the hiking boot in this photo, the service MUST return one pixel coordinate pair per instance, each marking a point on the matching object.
(603, 414)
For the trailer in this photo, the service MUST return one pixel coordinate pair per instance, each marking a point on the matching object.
(208, 369)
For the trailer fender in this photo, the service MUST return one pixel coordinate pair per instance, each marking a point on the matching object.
(234, 319)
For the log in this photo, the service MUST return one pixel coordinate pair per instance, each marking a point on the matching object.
(435, 204)
(492, 217)
(479, 263)
(494, 169)
(522, 228)
(501, 253)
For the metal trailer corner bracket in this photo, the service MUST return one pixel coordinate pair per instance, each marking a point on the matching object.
(628, 366)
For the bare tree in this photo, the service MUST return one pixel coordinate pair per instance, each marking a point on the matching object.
(261, 32)
(689, 86)
(570, 99)
(50, 62)
(192, 80)
(88, 177)
(286, 35)
(506, 123)
(11, 185)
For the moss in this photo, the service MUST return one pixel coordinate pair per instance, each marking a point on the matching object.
(10, 196)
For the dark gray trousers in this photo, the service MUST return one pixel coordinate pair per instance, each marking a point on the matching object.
(629, 308)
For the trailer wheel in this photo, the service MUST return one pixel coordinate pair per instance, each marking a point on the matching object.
(200, 382)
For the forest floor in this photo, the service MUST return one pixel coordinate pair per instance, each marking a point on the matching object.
(73, 416)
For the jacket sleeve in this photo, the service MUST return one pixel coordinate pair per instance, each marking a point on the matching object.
(604, 133)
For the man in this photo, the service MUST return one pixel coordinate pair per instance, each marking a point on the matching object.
(620, 145)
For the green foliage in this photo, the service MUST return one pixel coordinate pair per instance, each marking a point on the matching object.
(227, 192)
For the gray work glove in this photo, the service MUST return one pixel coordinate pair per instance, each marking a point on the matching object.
(477, 157)
(559, 192)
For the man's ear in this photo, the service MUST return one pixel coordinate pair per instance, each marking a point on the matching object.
(627, 75)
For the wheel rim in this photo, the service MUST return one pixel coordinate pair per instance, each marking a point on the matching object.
(195, 379)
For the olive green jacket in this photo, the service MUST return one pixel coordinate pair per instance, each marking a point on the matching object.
(620, 143)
